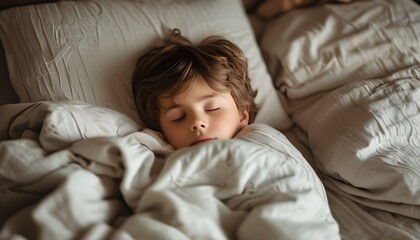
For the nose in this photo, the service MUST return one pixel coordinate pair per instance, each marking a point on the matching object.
(198, 124)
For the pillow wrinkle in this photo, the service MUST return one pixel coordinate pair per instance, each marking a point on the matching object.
(87, 50)
(380, 138)
(326, 47)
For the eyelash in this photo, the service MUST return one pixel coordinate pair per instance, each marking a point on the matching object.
(178, 119)
(213, 109)
(208, 110)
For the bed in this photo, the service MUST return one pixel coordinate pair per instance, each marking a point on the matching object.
(334, 152)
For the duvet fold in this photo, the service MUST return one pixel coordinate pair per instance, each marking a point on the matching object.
(135, 186)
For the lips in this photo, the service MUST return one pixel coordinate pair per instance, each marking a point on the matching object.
(202, 139)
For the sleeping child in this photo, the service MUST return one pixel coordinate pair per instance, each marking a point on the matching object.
(198, 97)
(194, 93)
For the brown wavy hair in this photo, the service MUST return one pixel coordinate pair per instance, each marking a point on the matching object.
(166, 70)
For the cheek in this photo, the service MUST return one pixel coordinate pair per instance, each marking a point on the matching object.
(167, 130)
(227, 124)
(176, 139)
(173, 135)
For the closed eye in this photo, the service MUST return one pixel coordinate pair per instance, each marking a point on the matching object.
(212, 109)
(178, 119)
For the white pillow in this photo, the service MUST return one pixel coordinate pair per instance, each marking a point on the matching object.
(366, 138)
(310, 50)
(87, 50)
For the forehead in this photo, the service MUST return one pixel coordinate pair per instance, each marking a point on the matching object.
(195, 82)
(195, 90)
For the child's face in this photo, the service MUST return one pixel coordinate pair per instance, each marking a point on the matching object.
(200, 115)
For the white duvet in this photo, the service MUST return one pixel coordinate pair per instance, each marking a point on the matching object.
(119, 183)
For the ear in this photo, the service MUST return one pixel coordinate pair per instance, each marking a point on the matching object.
(244, 118)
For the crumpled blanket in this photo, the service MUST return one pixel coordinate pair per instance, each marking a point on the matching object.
(133, 185)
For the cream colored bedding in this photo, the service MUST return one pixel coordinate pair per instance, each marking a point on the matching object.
(136, 187)
(348, 78)
(350, 74)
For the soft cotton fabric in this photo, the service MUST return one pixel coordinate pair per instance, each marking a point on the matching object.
(87, 50)
(137, 187)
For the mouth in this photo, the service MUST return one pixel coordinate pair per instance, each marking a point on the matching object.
(201, 140)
